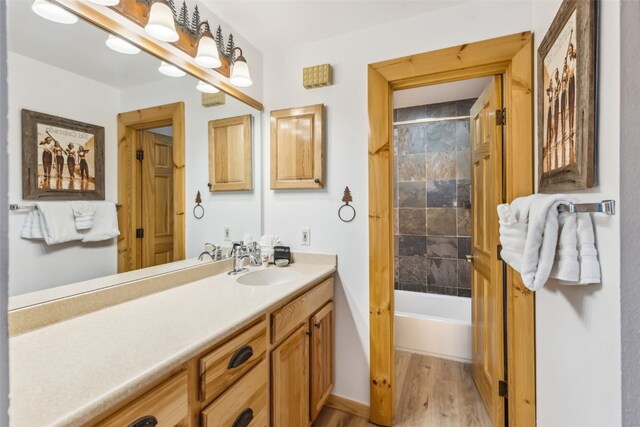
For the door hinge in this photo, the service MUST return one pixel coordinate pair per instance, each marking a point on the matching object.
(139, 233)
(501, 117)
(499, 250)
(503, 389)
(140, 155)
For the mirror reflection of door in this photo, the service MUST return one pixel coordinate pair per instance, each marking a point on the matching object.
(156, 196)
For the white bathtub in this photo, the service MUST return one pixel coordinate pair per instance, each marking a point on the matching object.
(437, 325)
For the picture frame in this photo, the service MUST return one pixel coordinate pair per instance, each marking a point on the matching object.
(567, 92)
(62, 159)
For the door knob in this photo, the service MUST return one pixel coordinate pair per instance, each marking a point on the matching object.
(470, 258)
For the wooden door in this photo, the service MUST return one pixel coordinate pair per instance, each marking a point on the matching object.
(321, 375)
(290, 380)
(157, 199)
(486, 287)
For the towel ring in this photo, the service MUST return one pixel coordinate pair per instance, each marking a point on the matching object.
(350, 213)
(198, 213)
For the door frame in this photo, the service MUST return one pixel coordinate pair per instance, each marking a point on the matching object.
(511, 56)
(130, 180)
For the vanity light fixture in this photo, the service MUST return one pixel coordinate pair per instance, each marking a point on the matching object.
(106, 2)
(206, 87)
(240, 71)
(121, 46)
(53, 12)
(170, 70)
(161, 24)
(207, 54)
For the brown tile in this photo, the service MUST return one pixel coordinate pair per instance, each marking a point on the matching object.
(463, 219)
(441, 194)
(463, 164)
(464, 247)
(396, 222)
(442, 272)
(442, 247)
(441, 222)
(412, 194)
(412, 245)
(413, 221)
(412, 270)
(441, 165)
(410, 139)
(411, 167)
(464, 274)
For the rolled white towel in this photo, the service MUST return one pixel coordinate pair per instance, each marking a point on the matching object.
(84, 212)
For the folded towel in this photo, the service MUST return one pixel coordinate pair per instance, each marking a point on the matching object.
(57, 223)
(105, 223)
(545, 243)
(84, 213)
(31, 228)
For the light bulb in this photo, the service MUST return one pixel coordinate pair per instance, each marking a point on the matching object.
(53, 12)
(207, 53)
(240, 73)
(106, 2)
(170, 70)
(121, 46)
(206, 87)
(161, 24)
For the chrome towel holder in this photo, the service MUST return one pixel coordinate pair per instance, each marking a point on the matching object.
(17, 207)
(606, 207)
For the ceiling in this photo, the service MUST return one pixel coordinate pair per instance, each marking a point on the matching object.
(79, 48)
(445, 92)
(269, 24)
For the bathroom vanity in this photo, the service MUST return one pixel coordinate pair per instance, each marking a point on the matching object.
(212, 352)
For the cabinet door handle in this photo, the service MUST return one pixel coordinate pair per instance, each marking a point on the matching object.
(146, 421)
(240, 356)
(318, 325)
(244, 418)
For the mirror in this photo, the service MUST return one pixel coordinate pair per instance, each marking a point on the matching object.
(67, 72)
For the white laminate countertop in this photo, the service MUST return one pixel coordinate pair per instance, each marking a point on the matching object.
(69, 372)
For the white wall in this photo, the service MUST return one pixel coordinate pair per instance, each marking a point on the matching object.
(37, 86)
(346, 151)
(4, 240)
(578, 328)
(238, 209)
(629, 207)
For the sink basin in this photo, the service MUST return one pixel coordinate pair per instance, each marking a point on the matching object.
(270, 276)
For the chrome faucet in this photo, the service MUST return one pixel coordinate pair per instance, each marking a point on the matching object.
(239, 252)
(214, 252)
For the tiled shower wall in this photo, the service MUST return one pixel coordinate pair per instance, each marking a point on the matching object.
(432, 199)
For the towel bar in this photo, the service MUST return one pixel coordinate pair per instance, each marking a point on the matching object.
(606, 206)
(17, 207)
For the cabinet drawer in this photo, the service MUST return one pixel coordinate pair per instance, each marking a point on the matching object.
(299, 310)
(167, 404)
(244, 404)
(224, 365)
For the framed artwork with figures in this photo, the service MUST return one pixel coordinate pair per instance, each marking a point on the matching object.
(567, 99)
(62, 159)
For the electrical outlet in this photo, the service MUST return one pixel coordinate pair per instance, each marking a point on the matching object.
(306, 237)
(227, 233)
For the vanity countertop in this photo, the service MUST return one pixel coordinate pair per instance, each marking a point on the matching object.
(69, 372)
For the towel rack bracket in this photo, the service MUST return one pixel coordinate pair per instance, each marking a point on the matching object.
(606, 206)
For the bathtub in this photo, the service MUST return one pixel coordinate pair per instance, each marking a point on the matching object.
(436, 325)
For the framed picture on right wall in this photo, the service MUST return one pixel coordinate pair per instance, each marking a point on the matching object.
(567, 99)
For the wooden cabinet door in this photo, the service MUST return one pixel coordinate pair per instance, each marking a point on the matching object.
(230, 158)
(297, 148)
(321, 358)
(486, 287)
(290, 380)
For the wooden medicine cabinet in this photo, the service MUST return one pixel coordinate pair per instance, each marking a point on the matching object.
(230, 159)
(297, 148)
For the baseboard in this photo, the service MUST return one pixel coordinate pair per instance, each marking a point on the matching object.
(349, 406)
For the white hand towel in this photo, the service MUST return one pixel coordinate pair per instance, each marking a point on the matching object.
(105, 224)
(587, 252)
(84, 213)
(31, 228)
(556, 245)
(57, 222)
